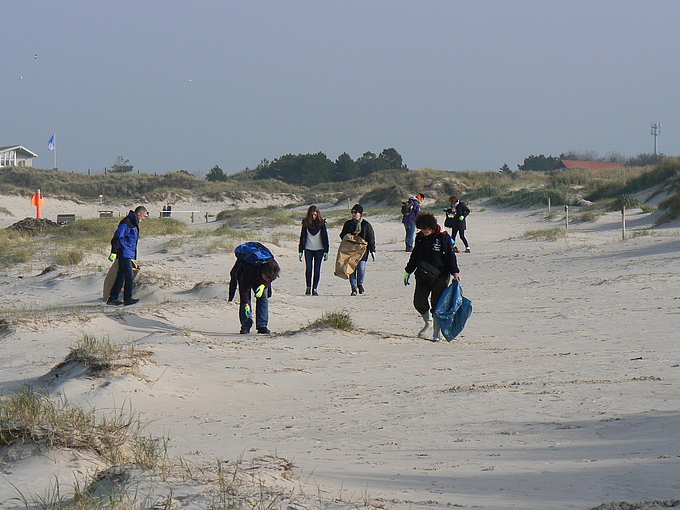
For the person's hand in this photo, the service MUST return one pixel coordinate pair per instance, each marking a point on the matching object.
(248, 311)
(373, 256)
(260, 290)
(300, 256)
(456, 277)
(407, 276)
(112, 257)
(461, 218)
(325, 256)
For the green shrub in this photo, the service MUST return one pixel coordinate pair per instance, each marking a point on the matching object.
(626, 201)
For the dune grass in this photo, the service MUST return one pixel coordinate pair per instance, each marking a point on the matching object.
(333, 320)
(549, 234)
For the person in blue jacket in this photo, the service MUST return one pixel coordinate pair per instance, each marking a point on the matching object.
(314, 246)
(124, 248)
(412, 205)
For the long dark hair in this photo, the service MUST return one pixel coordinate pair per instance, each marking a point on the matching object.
(309, 220)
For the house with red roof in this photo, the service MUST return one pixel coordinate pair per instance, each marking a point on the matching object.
(566, 164)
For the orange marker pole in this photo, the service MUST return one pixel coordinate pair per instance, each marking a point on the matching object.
(38, 201)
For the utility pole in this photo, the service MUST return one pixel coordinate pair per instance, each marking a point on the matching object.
(656, 131)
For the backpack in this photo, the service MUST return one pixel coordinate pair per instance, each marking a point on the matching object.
(406, 208)
(253, 253)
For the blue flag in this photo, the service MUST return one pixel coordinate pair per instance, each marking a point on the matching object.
(50, 144)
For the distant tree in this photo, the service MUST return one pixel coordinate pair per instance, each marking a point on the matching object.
(505, 169)
(216, 174)
(540, 163)
(391, 159)
(121, 166)
(580, 156)
(345, 168)
(644, 159)
(367, 163)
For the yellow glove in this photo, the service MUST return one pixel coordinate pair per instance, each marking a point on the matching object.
(325, 256)
(407, 276)
(461, 218)
(112, 257)
(300, 256)
(248, 311)
(260, 290)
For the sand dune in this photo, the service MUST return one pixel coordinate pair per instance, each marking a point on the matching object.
(562, 391)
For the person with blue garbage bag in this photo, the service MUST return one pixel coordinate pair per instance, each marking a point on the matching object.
(254, 271)
(433, 261)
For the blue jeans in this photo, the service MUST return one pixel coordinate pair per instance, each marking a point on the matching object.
(357, 277)
(261, 312)
(410, 235)
(125, 277)
(313, 259)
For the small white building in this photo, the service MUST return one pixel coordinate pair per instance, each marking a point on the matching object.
(16, 155)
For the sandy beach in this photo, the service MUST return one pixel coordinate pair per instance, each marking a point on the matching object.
(561, 392)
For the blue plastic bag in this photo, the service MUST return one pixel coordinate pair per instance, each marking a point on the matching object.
(452, 311)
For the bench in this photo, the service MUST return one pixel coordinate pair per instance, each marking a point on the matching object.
(63, 219)
(106, 214)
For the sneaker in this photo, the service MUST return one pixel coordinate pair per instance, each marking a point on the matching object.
(315, 292)
(131, 302)
(244, 331)
(354, 292)
(361, 289)
(308, 291)
(467, 250)
(114, 302)
(263, 331)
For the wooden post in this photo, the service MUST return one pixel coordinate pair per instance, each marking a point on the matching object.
(192, 216)
(566, 216)
(623, 222)
(548, 204)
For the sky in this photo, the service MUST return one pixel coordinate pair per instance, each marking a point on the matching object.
(453, 85)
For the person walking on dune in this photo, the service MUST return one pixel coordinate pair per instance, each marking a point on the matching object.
(433, 261)
(314, 247)
(455, 219)
(362, 228)
(409, 211)
(124, 248)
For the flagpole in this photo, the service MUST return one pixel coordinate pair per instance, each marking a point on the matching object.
(55, 153)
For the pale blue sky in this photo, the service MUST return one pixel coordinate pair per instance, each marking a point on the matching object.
(452, 85)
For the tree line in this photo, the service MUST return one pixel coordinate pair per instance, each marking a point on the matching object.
(311, 169)
(543, 163)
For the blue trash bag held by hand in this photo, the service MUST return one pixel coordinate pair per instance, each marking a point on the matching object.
(452, 311)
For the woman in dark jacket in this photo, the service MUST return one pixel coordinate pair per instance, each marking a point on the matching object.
(457, 213)
(433, 254)
(359, 226)
(314, 246)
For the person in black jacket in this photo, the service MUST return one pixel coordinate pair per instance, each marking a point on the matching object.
(359, 226)
(457, 214)
(433, 261)
(314, 246)
(258, 279)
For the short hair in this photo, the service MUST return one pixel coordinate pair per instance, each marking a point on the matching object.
(453, 199)
(140, 209)
(271, 269)
(426, 220)
(420, 197)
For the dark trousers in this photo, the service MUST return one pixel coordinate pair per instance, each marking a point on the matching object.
(125, 278)
(433, 292)
(461, 233)
(313, 259)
